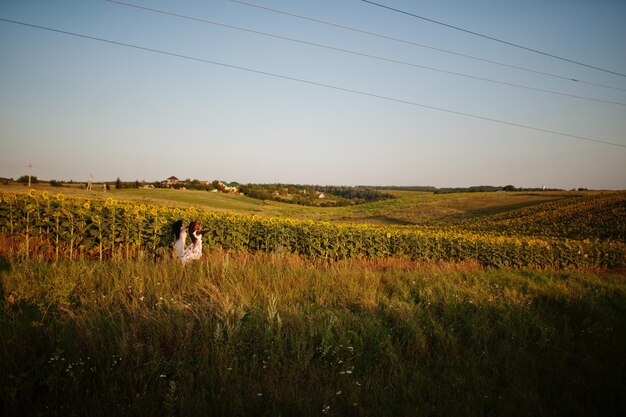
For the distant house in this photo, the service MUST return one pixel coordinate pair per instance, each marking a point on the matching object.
(231, 188)
(170, 181)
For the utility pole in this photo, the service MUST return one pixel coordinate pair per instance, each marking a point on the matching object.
(89, 183)
(30, 172)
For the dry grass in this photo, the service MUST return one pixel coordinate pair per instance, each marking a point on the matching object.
(274, 334)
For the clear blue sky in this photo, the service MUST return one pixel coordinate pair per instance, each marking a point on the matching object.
(74, 107)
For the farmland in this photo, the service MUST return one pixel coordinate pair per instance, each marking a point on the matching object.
(462, 304)
(69, 227)
(408, 208)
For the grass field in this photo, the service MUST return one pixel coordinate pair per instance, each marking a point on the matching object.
(276, 335)
(242, 333)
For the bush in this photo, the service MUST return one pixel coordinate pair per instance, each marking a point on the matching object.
(24, 179)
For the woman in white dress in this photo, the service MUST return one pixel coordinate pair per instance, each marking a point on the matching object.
(194, 250)
(180, 236)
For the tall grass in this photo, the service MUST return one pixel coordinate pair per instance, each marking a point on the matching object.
(278, 335)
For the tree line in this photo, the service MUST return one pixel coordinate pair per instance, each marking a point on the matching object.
(314, 195)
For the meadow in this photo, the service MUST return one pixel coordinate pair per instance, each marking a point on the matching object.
(297, 316)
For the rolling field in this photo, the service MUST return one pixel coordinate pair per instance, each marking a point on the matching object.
(408, 208)
(425, 305)
(570, 232)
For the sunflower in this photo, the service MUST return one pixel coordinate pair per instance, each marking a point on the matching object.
(86, 206)
(32, 193)
(60, 197)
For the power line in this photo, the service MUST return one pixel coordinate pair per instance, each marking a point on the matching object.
(492, 38)
(318, 84)
(420, 45)
(352, 52)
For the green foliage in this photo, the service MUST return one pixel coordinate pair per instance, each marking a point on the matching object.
(314, 195)
(24, 179)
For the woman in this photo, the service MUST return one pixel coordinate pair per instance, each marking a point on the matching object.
(180, 236)
(194, 250)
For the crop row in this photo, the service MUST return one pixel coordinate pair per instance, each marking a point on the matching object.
(73, 227)
(601, 216)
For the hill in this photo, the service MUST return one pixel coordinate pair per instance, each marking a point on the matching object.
(407, 208)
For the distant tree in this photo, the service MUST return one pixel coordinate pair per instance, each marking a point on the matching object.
(509, 188)
(24, 179)
(118, 184)
(136, 183)
(55, 183)
(218, 185)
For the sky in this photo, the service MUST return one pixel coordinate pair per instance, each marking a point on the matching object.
(329, 92)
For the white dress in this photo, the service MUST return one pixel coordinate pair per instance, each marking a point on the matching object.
(179, 245)
(194, 250)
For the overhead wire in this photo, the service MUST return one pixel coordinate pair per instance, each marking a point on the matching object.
(421, 45)
(314, 83)
(352, 52)
(492, 38)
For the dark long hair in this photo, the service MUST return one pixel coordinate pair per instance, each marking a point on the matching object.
(178, 224)
(192, 228)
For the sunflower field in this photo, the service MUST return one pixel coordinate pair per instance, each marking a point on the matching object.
(57, 227)
(601, 216)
